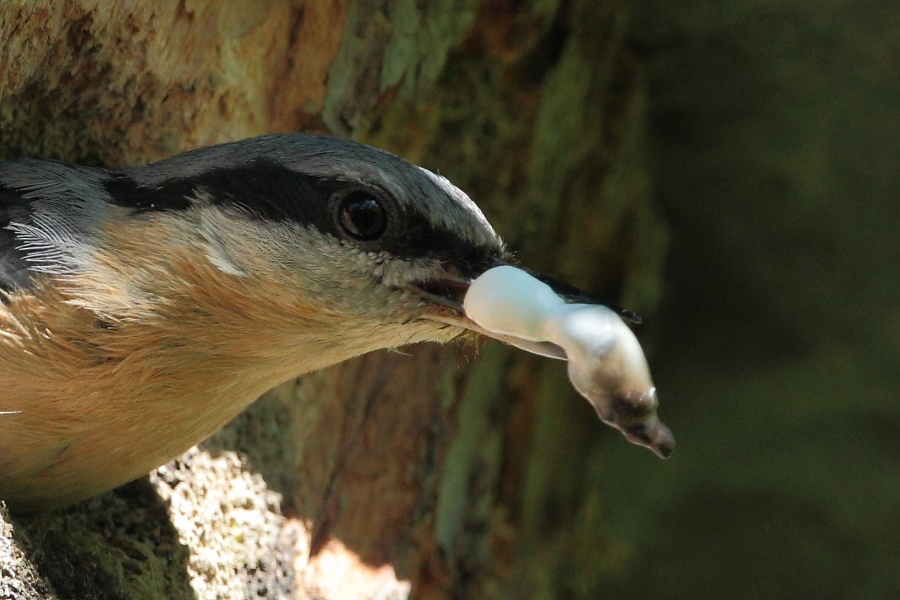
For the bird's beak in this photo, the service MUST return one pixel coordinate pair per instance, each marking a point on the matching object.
(446, 296)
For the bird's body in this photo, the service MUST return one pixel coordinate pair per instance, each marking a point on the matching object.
(161, 383)
(144, 308)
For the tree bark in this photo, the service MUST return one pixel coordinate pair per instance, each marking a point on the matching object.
(436, 472)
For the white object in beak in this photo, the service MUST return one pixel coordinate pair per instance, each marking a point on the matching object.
(606, 362)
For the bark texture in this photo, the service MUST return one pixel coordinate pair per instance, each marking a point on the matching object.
(434, 472)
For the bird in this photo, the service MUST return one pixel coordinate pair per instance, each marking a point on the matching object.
(142, 308)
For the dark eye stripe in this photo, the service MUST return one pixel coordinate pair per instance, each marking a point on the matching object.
(264, 188)
(271, 191)
(420, 239)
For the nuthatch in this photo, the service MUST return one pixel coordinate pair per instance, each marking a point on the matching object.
(143, 308)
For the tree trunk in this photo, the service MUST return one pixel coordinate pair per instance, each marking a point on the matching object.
(436, 472)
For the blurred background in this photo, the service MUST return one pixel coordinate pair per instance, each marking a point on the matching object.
(727, 169)
(775, 129)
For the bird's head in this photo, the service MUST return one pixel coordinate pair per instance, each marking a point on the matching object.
(354, 246)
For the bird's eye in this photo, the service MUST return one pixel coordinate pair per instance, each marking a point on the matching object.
(361, 216)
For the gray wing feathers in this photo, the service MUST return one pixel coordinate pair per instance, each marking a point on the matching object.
(48, 215)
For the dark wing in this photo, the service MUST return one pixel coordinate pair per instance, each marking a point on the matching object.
(14, 272)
